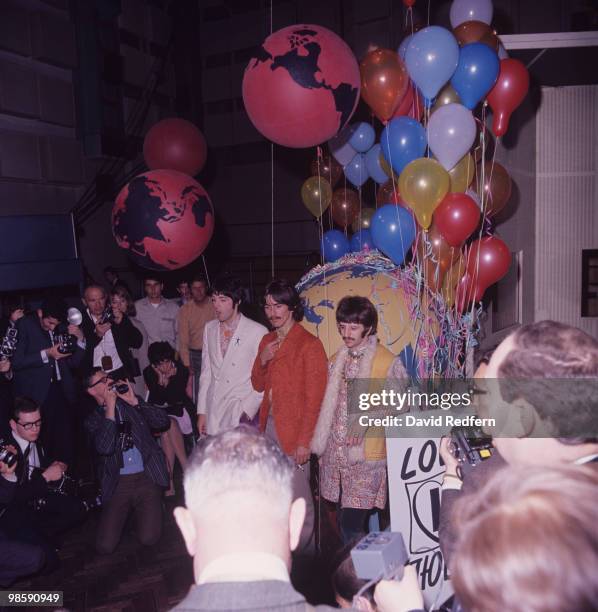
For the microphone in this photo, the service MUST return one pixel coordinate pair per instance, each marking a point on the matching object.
(74, 316)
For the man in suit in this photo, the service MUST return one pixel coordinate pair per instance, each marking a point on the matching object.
(240, 525)
(230, 344)
(544, 373)
(43, 372)
(37, 512)
(132, 466)
(291, 369)
(109, 343)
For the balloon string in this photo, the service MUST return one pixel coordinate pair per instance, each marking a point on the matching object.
(320, 218)
(272, 168)
(205, 267)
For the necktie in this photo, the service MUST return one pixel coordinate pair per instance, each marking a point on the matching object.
(27, 471)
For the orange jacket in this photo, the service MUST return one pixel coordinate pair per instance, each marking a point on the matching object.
(296, 376)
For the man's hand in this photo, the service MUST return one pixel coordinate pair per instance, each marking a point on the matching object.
(129, 396)
(102, 329)
(75, 330)
(4, 366)
(55, 353)
(448, 458)
(202, 425)
(400, 595)
(16, 314)
(302, 455)
(269, 352)
(53, 472)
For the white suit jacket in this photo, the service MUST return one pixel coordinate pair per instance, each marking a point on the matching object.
(225, 389)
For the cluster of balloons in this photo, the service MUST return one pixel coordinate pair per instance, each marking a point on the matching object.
(164, 218)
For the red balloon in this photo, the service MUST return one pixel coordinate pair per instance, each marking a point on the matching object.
(508, 93)
(463, 292)
(488, 260)
(163, 218)
(302, 86)
(344, 206)
(327, 167)
(412, 104)
(175, 144)
(456, 217)
(408, 3)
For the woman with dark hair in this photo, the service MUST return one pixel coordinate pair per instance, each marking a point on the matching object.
(166, 378)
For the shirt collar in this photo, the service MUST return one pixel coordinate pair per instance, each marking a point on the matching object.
(23, 444)
(245, 567)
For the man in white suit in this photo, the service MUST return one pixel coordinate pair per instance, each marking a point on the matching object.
(230, 344)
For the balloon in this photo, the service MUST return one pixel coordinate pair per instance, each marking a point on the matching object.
(470, 10)
(340, 147)
(175, 144)
(451, 133)
(334, 245)
(327, 167)
(408, 3)
(402, 140)
(389, 193)
(316, 194)
(355, 170)
(393, 231)
(436, 257)
(344, 206)
(456, 217)
(508, 93)
(384, 81)
(462, 174)
(387, 169)
(446, 96)
(431, 58)
(497, 186)
(422, 184)
(301, 86)
(373, 165)
(477, 145)
(476, 73)
(476, 31)
(488, 260)
(412, 105)
(403, 46)
(451, 280)
(363, 137)
(362, 240)
(364, 218)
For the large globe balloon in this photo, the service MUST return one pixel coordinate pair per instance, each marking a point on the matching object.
(302, 87)
(164, 219)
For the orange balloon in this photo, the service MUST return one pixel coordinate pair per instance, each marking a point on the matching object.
(436, 256)
(497, 186)
(462, 174)
(451, 280)
(344, 206)
(384, 82)
(476, 31)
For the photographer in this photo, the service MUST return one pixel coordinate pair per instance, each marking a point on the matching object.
(47, 352)
(38, 511)
(132, 467)
(19, 559)
(110, 336)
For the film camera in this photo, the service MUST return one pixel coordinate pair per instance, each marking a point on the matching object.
(381, 554)
(470, 444)
(67, 343)
(106, 317)
(7, 456)
(8, 346)
(120, 387)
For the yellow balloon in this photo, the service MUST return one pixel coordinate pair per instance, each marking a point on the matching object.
(364, 220)
(316, 194)
(447, 95)
(386, 167)
(451, 280)
(422, 185)
(462, 174)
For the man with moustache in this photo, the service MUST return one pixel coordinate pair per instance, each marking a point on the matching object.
(353, 464)
(290, 370)
(230, 345)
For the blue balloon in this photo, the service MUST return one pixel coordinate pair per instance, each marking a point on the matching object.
(334, 245)
(393, 230)
(363, 137)
(403, 46)
(372, 163)
(431, 58)
(361, 239)
(402, 141)
(356, 171)
(476, 73)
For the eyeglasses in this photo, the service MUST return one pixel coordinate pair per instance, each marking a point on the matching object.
(37, 424)
(97, 382)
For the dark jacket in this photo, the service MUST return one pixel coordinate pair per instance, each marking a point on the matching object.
(126, 337)
(174, 395)
(32, 377)
(106, 440)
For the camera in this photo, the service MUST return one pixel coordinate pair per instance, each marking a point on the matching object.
(67, 343)
(8, 346)
(381, 554)
(6, 456)
(106, 317)
(125, 433)
(470, 444)
(120, 387)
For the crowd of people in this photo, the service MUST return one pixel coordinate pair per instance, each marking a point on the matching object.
(158, 375)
